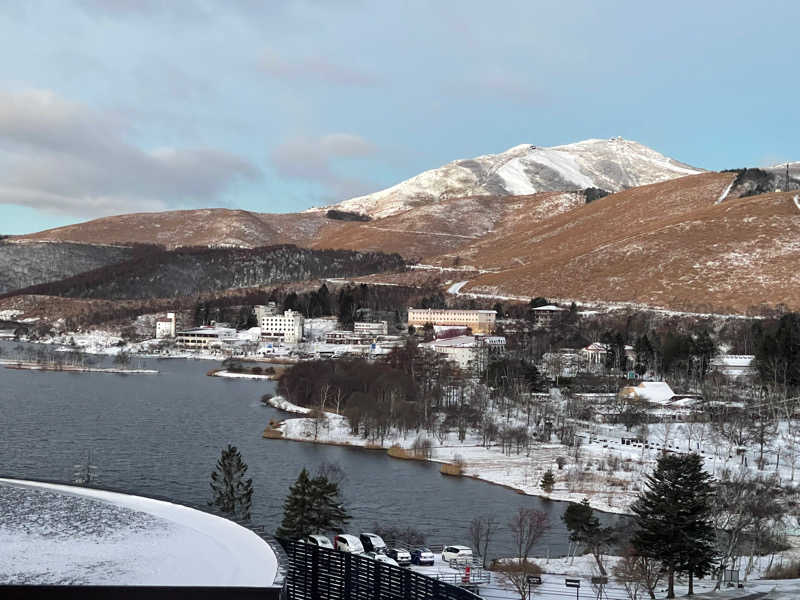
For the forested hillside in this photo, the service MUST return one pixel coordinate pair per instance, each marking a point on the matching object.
(24, 265)
(192, 271)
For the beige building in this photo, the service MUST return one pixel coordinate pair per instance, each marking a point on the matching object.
(205, 338)
(379, 328)
(480, 321)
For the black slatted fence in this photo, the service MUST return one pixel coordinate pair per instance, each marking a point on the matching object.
(324, 574)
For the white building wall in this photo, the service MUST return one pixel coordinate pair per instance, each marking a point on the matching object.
(288, 326)
(480, 321)
(379, 328)
(165, 328)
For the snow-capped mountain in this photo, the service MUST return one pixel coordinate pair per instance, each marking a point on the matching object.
(612, 165)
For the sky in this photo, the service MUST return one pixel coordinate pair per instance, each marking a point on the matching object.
(118, 106)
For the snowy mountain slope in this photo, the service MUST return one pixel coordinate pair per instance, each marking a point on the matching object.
(669, 245)
(447, 226)
(612, 165)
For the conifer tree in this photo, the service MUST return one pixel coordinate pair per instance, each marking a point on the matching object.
(548, 481)
(312, 506)
(232, 493)
(673, 518)
(584, 528)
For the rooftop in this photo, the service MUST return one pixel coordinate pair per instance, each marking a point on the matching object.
(209, 331)
(68, 535)
(461, 341)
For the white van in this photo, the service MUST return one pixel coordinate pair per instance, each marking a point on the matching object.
(460, 554)
(348, 543)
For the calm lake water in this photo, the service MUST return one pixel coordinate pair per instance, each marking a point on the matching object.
(162, 435)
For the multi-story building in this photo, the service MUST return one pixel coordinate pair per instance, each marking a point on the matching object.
(352, 338)
(479, 321)
(461, 350)
(205, 338)
(165, 328)
(469, 351)
(265, 310)
(544, 316)
(287, 327)
(379, 328)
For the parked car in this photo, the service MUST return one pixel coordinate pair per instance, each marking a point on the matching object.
(422, 556)
(457, 553)
(319, 540)
(382, 558)
(348, 543)
(372, 542)
(401, 555)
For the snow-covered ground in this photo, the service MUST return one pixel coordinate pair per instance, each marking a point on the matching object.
(602, 468)
(281, 403)
(520, 472)
(253, 376)
(57, 534)
(556, 570)
(456, 287)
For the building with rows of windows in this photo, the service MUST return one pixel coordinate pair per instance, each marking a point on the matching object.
(479, 321)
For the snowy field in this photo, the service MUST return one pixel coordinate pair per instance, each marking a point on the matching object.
(65, 535)
(556, 570)
(603, 469)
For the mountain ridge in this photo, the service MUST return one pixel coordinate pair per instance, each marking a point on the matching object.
(525, 169)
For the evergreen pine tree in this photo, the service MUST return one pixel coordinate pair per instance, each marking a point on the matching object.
(673, 521)
(232, 493)
(548, 481)
(328, 512)
(312, 506)
(297, 509)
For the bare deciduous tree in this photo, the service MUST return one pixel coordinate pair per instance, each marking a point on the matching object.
(481, 530)
(526, 526)
(638, 574)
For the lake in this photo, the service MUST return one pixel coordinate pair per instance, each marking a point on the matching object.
(162, 435)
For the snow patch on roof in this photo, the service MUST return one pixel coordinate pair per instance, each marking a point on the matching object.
(60, 534)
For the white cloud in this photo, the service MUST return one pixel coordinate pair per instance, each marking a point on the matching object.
(314, 69)
(312, 159)
(64, 157)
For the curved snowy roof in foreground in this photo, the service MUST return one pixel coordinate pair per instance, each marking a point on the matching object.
(61, 534)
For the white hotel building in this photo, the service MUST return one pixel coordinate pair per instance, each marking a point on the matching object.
(287, 327)
(480, 321)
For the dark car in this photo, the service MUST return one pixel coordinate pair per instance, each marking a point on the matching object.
(401, 556)
(422, 556)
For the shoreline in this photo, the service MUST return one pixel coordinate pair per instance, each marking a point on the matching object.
(224, 373)
(30, 366)
(278, 432)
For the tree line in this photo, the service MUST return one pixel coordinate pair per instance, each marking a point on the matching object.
(158, 273)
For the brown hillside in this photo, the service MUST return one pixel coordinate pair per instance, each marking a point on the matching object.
(667, 245)
(423, 231)
(591, 225)
(447, 226)
(204, 227)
